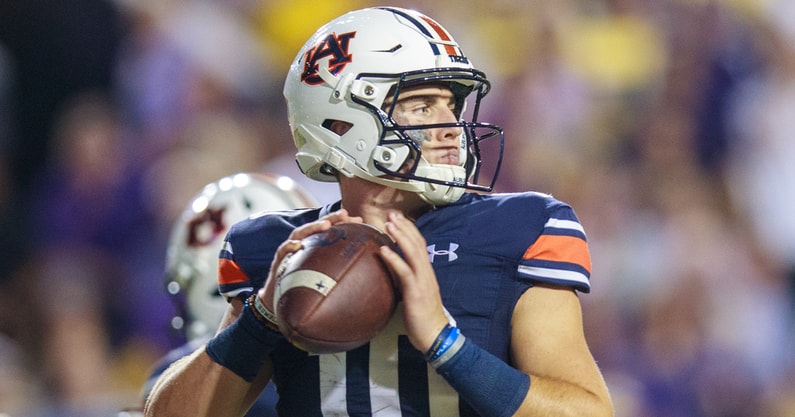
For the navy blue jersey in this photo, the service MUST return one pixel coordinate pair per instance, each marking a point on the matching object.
(486, 251)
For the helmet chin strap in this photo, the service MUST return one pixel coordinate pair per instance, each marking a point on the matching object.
(437, 194)
(434, 194)
(441, 195)
(349, 168)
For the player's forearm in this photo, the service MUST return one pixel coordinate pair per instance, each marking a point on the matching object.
(550, 397)
(223, 377)
(197, 386)
(494, 388)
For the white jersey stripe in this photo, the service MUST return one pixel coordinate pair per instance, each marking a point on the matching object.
(384, 369)
(443, 398)
(565, 224)
(227, 247)
(333, 390)
(557, 274)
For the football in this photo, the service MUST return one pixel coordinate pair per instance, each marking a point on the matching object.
(335, 293)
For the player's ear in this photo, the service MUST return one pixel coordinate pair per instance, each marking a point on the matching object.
(337, 126)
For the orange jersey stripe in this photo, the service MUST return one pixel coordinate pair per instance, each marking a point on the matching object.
(560, 249)
(230, 273)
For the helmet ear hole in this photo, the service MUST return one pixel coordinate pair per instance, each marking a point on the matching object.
(337, 126)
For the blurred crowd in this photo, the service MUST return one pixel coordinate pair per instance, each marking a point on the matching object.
(665, 123)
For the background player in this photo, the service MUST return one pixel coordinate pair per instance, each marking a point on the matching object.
(192, 258)
(376, 101)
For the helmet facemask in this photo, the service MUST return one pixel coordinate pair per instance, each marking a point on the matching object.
(399, 153)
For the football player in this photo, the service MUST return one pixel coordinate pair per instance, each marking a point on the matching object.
(192, 258)
(490, 322)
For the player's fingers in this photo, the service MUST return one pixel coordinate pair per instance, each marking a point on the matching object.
(310, 228)
(396, 264)
(403, 231)
(408, 239)
(422, 305)
(320, 225)
(286, 248)
(324, 223)
(341, 216)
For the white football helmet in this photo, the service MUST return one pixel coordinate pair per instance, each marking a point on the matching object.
(347, 69)
(197, 237)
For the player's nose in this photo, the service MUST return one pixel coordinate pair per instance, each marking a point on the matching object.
(448, 132)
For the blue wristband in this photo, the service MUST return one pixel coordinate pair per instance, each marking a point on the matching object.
(244, 345)
(438, 345)
(452, 345)
(452, 336)
(486, 383)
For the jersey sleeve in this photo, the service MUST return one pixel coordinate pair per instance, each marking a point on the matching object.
(560, 254)
(232, 281)
(250, 245)
(248, 250)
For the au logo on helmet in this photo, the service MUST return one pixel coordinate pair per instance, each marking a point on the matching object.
(205, 227)
(333, 46)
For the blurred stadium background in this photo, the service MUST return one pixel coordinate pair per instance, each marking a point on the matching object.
(667, 125)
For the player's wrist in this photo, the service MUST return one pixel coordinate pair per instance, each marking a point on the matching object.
(448, 342)
(243, 346)
(262, 313)
(482, 378)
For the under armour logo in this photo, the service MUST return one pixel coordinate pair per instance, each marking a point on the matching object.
(449, 252)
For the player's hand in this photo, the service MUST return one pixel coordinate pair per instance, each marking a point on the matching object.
(423, 312)
(291, 245)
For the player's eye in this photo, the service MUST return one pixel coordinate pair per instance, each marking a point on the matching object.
(421, 110)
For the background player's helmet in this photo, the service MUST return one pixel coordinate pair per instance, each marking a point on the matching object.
(347, 69)
(197, 237)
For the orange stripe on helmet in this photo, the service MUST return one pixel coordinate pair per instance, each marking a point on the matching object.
(450, 49)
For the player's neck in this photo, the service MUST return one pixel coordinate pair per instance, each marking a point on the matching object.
(373, 202)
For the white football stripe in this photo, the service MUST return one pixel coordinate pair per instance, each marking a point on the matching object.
(317, 281)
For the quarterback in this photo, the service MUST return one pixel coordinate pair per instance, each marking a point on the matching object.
(385, 102)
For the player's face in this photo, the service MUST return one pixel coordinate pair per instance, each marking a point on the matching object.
(430, 104)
